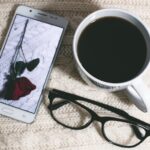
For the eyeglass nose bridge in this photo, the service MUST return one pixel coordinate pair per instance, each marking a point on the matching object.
(137, 132)
(102, 120)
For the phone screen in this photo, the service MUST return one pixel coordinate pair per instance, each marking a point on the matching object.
(26, 60)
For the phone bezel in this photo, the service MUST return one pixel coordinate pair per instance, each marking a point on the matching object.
(42, 16)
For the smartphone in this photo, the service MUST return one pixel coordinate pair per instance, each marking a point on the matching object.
(26, 60)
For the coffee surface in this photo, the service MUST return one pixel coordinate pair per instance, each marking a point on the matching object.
(112, 50)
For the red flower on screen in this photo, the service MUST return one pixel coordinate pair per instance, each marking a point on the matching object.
(20, 87)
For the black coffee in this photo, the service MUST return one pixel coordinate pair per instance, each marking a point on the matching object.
(112, 50)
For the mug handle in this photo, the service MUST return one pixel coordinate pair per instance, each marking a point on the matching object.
(139, 94)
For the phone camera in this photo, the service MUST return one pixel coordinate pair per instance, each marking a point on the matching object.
(30, 10)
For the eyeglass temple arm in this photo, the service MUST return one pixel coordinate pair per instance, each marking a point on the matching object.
(71, 97)
(59, 104)
(110, 108)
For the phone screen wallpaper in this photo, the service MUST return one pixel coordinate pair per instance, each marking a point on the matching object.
(26, 60)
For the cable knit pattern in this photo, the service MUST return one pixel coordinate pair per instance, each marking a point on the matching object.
(45, 133)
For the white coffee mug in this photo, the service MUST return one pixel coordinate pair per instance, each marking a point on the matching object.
(136, 90)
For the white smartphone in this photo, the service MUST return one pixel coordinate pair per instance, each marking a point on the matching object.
(26, 60)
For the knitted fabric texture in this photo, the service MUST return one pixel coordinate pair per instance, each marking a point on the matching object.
(44, 133)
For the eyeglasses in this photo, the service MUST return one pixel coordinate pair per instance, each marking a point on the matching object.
(127, 132)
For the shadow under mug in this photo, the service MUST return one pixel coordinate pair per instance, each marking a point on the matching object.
(135, 89)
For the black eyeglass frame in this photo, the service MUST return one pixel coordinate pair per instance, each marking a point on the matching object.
(134, 122)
